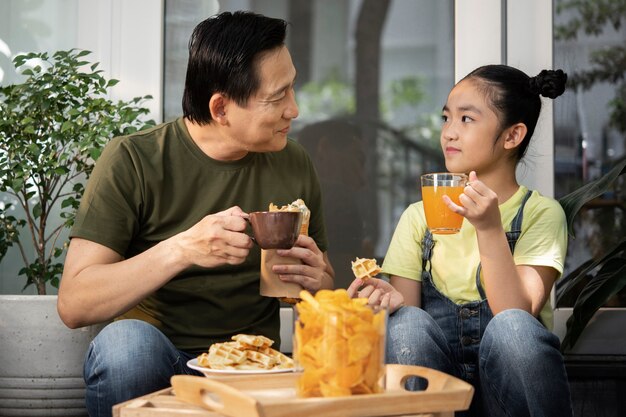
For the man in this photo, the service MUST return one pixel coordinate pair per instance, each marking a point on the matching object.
(160, 236)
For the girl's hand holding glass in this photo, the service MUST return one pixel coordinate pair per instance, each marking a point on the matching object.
(479, 204)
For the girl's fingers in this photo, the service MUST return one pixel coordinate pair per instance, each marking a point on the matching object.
(384, 303)
(467, 202)
(374, 298)
(353, 289)
(453, 206)
(366, 292)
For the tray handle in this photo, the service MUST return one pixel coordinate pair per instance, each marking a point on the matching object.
(396, 376)
(215, 396)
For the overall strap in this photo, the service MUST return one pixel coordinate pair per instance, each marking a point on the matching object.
(428, 243)
(511, 236)
(516, 224)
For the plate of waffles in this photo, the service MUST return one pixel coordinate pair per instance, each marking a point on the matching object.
(193, 364)
(245, 354)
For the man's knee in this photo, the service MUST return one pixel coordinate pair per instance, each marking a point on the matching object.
(124, 343)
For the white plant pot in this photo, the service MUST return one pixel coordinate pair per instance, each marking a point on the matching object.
(41, 360)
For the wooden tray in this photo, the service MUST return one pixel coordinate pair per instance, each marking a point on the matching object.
(274, 395)
(164, 403)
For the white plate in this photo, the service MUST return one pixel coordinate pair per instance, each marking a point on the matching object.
(193, 364)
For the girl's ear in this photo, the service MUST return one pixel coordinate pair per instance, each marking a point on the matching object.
(514, 135)
(217, 107)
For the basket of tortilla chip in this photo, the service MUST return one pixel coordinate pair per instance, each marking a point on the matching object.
(339, 342)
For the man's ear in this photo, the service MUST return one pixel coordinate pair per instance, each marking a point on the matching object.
(514, 135)
(217, 108)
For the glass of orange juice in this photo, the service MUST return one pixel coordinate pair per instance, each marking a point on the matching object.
(440, 219)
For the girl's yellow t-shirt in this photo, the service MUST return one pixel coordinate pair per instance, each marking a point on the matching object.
(455, 259)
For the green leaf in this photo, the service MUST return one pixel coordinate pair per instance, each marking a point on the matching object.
(37, 210)
(19, 60)
(573, 201)
(95, 153)
(568, 284)
(67, 125)
(33, 149)
(17, 184)
(68, 202)
(610, 280)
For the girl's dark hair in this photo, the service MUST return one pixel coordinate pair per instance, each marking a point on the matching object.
(515, 96)
(223, 51)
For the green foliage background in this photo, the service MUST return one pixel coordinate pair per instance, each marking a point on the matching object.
(53, 127)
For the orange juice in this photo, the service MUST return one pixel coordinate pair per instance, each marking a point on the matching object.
(439, 217)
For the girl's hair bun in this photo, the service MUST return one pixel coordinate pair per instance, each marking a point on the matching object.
(548, 83)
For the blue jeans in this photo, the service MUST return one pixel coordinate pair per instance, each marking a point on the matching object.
(128, 359)
(520, 367)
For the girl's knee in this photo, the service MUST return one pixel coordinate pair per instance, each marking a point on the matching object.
(411, 334)
(507, 321)
(515, 336)
(517, 326)
(409, 321)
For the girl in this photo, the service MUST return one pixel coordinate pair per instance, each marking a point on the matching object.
(476, 304)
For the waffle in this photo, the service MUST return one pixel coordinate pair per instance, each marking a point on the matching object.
(225, 354)
(265, 361)
(282, 361)
(253, 340)
(245, 352)
(365, 268)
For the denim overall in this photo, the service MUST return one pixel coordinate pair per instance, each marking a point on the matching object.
(462, 324)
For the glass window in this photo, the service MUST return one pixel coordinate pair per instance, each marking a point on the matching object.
(372, 78)
(590, 128)
(27, 26)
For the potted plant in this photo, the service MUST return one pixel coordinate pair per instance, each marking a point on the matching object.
(590, 286)
(53, 127)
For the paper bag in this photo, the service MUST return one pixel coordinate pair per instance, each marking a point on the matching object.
(271, 285)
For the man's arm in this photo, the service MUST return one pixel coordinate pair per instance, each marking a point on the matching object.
(98, 284)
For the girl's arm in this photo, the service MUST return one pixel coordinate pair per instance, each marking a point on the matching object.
(507, 285)
(409, 288)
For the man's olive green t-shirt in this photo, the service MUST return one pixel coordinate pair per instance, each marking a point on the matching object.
(151, 185)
